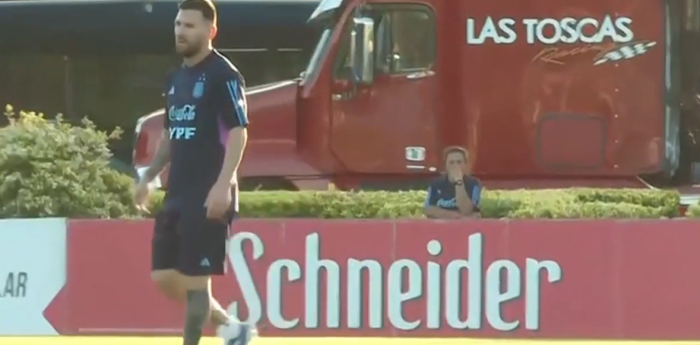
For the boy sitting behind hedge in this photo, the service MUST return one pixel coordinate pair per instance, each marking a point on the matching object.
(455, 194)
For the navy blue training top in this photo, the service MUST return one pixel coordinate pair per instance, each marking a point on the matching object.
(441, 193)
(204, 102)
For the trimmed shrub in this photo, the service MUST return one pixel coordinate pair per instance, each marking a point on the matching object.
(547, 204)
(50, 168)
(693, 211)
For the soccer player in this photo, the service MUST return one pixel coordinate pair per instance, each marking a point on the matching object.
(203, 139)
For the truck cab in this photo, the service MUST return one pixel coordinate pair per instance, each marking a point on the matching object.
(542, 95)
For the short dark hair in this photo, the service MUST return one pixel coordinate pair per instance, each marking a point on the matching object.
(206, 7)
(455, 149)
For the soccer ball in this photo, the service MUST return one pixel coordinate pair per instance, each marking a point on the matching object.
(237, 333)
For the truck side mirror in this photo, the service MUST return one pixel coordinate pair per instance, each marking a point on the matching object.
(362, 53)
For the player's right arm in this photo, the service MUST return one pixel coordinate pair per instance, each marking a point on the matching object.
(160, 159)
(162, 156)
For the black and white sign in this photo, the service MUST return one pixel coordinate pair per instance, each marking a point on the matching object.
(626, 52)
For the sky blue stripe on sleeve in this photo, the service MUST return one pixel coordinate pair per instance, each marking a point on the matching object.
(476, 195)
(427, 197)
(238, 102)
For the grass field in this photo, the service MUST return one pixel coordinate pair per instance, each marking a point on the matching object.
(65, 340)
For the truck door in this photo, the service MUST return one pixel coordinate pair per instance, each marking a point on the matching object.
(388, 126)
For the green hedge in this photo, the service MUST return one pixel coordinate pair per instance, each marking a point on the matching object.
(693, 211)
(49, 168)
(53, 169)
(547, 204)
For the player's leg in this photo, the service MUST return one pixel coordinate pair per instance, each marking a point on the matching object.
(164, 256)
(202, 252)
(170, 283)
(198, 308)
(219, 315)
(167, 281)
(233, 332)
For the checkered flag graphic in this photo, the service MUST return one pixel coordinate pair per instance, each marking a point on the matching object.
(625, 52)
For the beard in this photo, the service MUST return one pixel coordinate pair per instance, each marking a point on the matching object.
(188, 49)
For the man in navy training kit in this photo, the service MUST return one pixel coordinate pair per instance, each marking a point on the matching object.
(456, 194)
(203, 139)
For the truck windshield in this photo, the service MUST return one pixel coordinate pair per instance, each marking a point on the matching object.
(325, 10)
(319, 53)
(325, 13)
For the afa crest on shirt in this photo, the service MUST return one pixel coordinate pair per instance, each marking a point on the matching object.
(198, 89)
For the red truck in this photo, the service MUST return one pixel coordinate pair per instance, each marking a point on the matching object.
(542, 94)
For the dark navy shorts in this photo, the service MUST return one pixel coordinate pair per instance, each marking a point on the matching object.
(187, 241)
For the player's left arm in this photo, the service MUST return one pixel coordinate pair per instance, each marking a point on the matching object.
(233, 112)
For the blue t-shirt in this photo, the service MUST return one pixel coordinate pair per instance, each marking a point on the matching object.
(203, 103)
(441, 193)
